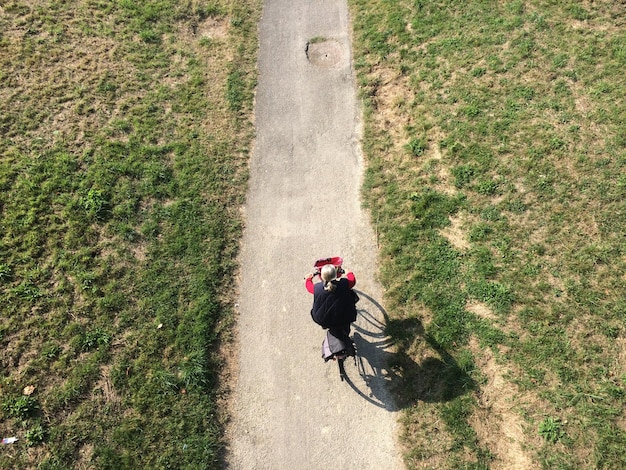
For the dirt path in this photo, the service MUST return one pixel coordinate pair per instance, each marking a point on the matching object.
(291, 411)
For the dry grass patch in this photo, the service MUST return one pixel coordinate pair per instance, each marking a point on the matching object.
(456, 233)
(496, 419)
(481, 309)
(427, 437)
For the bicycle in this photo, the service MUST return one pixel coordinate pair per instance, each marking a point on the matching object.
(337, 344)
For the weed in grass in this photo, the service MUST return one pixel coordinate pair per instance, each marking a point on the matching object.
(5, 273)
(22, 407)
(480, 232)
(51, 350)
(463, 175)
(35, 435)
(487, 188)
(94, 203)
(94, 339)
(417, 146)
(551, 429)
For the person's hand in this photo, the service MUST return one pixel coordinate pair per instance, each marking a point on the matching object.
(309, 276)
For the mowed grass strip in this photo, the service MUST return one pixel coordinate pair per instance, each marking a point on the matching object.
(125, 129)
(495, 138)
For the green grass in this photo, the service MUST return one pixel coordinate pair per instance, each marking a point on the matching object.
(498, 194)
(497, 191)
(125, 130)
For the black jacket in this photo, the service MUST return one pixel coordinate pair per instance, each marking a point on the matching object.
(336, 308)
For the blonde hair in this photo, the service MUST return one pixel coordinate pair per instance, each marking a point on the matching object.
(329, 272)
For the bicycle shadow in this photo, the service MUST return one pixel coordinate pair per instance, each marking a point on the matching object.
(388, 376)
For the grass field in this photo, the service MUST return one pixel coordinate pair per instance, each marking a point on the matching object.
(495, 135)
(124, 136)
(495, 138)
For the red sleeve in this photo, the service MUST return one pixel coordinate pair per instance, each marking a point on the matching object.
(351, 280)
(309, 285)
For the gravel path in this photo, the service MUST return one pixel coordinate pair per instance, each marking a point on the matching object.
(290, 409)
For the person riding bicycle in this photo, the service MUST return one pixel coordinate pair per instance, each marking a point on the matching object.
(333, 300)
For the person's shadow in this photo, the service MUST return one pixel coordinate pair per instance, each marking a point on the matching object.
(387, 375)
